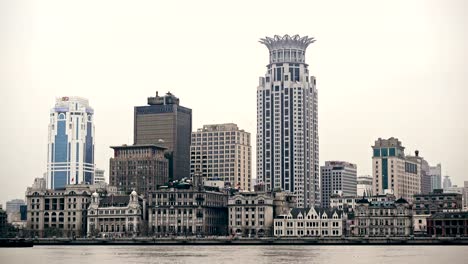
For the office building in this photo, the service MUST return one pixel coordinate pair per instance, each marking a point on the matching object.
(70, 156)
(337, 177)
(393, 172)
(348, 203)
(222, 153)
(251, 214)
(13, 210)
(164, 122)
(435, 173)
(447, 182)
(380, 219)
(287, 122)
(99, 176)
(140, 168)
(188, 208)
(116, 215)
(437, 201)
(364, 185)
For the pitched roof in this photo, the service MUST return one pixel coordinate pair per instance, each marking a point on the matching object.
(320, 211)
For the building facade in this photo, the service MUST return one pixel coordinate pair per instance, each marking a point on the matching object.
(13, 210)
(99, 176)
(337, 177)
(287, 122)
(222, 152)
(348, 203)
(393, 172)
(447, 182)
(116, 215)
(435, 173)
(448, 224)
(140, 168)
(380, 219)
(312, 222)
(58, 212)
(364, 185)
(436, 202)
(251, 214)
(164, 122)
(187, 208)
(70, 156)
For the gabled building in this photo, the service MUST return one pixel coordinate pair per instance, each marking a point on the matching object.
(312, 222)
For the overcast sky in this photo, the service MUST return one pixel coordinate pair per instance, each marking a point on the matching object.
(383, 69)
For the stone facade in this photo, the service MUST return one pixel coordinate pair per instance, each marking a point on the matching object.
(116, 215)
(448, 224)
(251, 214)
(188, 209)
(314, 222)
(379, 219)
(349, 203)
(437, 201)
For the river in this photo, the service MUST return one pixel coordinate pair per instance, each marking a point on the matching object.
(235, 254)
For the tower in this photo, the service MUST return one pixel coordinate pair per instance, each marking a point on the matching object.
(70, 156)
(287, 122)
(165, 123)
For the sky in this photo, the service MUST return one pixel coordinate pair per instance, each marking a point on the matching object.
(383, 68)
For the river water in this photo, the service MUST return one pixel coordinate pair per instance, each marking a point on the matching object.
(235, 254)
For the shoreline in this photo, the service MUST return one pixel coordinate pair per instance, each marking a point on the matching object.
(375, 241)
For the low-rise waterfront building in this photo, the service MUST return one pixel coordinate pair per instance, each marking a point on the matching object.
(437, 201)
(251, 214)
(116, 215)
(188, 208)
(448, 224)
(388, 218)
(318, 222)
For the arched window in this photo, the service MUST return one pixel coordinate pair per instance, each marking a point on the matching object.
(61, 116)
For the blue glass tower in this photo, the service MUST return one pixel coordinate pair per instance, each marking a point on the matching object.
(70, 158)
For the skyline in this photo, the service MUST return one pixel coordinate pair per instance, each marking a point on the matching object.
(49, 60)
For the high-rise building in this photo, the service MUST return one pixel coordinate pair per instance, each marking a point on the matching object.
(164, 122)
(447, 182)
(287, 122)
(222, 152)
(393, 172)
(140, 168)
(435, 173)
(426, 179)
(99, 176)
(70, 157)
(337, 177)
(364, 185)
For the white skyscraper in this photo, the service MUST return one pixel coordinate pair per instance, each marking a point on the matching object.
(287, 125)
(70, 157)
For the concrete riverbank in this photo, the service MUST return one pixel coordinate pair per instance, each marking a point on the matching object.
(254, 241)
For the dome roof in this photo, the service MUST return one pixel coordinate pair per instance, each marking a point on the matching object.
(95, 195)
(134, 193)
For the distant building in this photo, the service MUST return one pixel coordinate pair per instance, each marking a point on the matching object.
(116, 215)
(380, 219)
(426, 179)
(13, 210)
(437, 201)
(287, 121)
(164, 122)
(140, 168)
(393, 172)
(337, 177)
(3, 222)
(251, 214)
(435, 173)
(465, 196)
(364, 185)
(70, 158)
(448, 224)
(447, 182)
(454, 189)
(186, 208)
(99, 176)
(310, 222)
(348, 203)
(222, 152)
